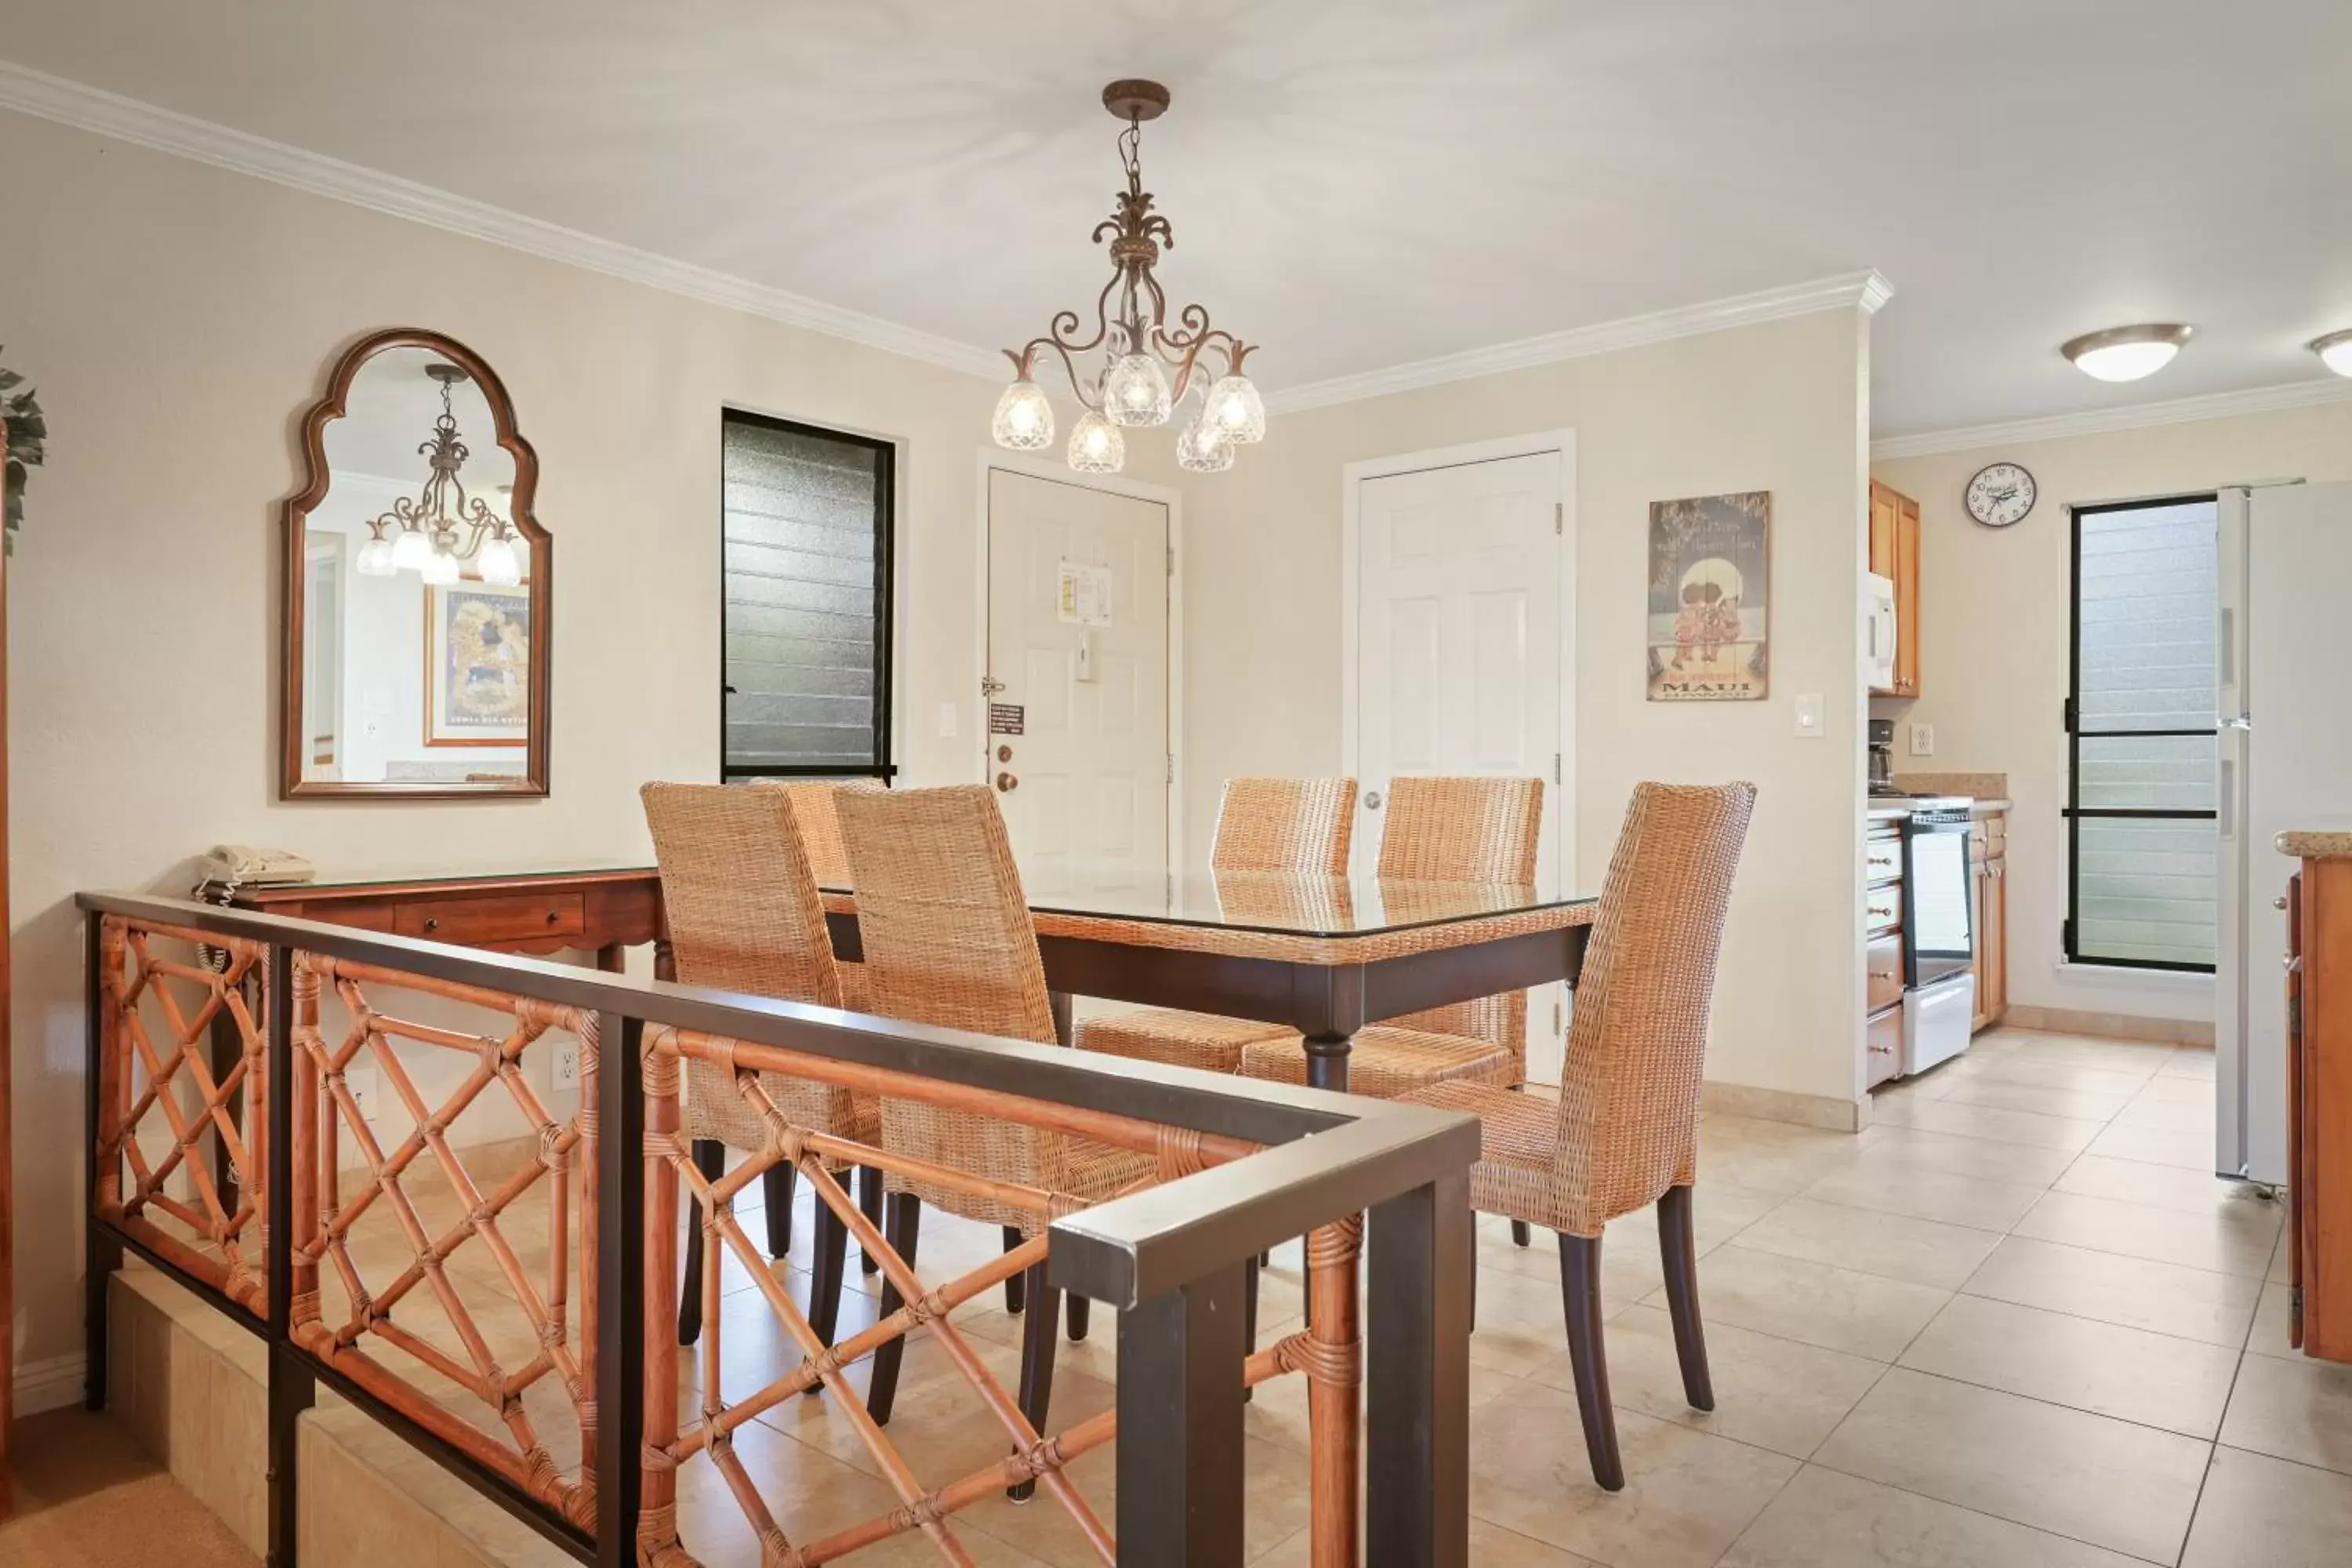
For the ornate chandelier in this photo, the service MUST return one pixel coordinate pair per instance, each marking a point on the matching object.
(1128, 387)
(421, 535)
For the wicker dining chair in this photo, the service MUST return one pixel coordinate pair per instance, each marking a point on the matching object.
(743, 915)
(1262, 825)
(1623, 1132)
(1438, 830)
(820, 830)
(947, 941)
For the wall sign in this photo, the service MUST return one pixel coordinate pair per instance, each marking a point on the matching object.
(1084, 595)
(1006, 717)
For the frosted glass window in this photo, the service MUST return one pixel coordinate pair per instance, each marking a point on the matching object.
(2144, 791)
(805, 618)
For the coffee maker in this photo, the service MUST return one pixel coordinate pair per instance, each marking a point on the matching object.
(1882, 757)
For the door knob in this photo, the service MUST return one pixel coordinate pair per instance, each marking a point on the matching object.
(1004, 754)
(1007, 782)
(1372, 800)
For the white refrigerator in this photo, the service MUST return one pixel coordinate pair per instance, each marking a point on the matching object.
(2285, 631)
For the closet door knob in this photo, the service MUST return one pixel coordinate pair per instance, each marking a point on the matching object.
(1372, 800)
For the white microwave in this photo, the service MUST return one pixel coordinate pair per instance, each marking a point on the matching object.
(1878, 632)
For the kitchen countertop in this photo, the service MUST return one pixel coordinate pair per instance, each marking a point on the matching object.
(2316, 843)
(1989, 791)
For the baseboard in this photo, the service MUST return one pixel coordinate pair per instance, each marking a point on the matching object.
(1783, 1105)
(51, 1383)
(2109, 1026)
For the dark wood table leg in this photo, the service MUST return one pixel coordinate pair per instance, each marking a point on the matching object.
(612, 958)
(1064, 1004)
(1327, 1060)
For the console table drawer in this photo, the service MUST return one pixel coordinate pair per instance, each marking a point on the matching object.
(487, 920)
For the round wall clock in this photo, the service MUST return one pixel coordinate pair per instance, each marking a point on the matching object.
(2000, 494)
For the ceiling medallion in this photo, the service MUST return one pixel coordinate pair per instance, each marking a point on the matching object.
(1129, 388)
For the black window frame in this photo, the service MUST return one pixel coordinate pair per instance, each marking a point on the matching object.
(2074, 811)
(885, 525)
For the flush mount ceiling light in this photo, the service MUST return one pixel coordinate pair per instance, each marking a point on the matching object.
(2335, 351)
(2128, 353)
(1128, 387)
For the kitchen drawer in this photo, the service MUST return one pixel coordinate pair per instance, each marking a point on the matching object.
(1881, 968)
(1992, 832)
(1882, 859)
(1883, 1046)
(1883, 908)
(486, 922)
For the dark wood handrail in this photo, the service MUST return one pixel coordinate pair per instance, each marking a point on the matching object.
(1326, 1153)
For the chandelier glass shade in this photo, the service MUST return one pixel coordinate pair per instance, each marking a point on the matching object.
(1141, 361)
(443, 525)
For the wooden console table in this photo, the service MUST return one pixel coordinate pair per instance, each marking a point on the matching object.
(603, 909)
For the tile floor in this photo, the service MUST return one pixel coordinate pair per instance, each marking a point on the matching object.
(2015, 1322)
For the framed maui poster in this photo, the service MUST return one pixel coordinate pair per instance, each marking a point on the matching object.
(1709, 611)
(476, 665)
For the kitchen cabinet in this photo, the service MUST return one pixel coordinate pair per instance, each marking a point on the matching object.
(1988, 907)
(2319, 1107)
(1895, 555)
(1883, 953)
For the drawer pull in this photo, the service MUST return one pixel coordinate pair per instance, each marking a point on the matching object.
(554, 916)
(431, 922)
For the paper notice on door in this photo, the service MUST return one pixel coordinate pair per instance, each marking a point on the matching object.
(1084, 598)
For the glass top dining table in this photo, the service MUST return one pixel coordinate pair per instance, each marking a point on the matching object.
(1324, 955)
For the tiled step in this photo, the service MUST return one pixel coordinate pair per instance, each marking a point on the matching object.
(190, 1386)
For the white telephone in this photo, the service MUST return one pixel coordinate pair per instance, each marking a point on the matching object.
(242, 865)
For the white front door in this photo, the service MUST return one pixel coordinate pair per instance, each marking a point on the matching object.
(1461, 651)
(1077, 665)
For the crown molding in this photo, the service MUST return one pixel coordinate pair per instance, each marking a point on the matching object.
(1866, 291)
(90, 109)
(2104, 421)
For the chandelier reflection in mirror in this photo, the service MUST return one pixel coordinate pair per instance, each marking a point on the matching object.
(1128, 387)
(444, 525)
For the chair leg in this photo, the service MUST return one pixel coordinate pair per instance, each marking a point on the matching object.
(1038, 1339)
(1679, 1246)
(1012, 1293)
(832, 1251)
(1249, 1316)
(776, 1185)
(1077, 1314)
(1580, 1286)
(710, 1159)
(869, 1201)
(903, 1225)
(1522, 1234)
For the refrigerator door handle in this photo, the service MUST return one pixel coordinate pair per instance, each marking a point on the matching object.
(2229, 799)
(2229, 648)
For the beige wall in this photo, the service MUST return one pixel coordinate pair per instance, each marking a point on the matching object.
(1993, 672)
(1777, 406)
(178, 319)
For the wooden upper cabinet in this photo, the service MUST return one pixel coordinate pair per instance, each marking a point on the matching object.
(1894, 554)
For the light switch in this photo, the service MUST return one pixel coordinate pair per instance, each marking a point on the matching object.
(1922, 740)
(946, 721)
(1809, 715)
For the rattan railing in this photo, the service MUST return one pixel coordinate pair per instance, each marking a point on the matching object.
(544, 1369)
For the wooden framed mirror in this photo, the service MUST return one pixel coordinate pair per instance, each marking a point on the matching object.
(416, 657)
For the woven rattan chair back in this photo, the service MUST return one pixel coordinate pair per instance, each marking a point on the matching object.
(1467, 829)
(947, 941)
(1286, 825)
(1629, 1094)
(820, 824)
(1464, 829)
(742, 910)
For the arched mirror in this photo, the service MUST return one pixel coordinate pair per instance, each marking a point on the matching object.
(416, 583)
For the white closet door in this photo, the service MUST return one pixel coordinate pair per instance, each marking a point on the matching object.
(1460, 650)
(1077, 643)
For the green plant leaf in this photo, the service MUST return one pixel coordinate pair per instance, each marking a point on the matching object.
(9, 378)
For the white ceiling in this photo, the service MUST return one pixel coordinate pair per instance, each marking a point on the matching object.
(1362, 183)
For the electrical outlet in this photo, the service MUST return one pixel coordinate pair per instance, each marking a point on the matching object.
(1922, 740)
(1809, 715)
(567, 1063)
(362, 1081)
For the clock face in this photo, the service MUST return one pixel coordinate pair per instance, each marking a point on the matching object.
(2000, 494)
